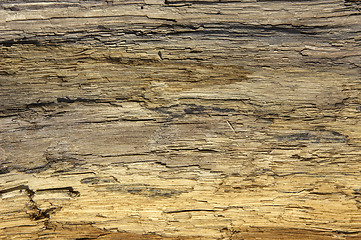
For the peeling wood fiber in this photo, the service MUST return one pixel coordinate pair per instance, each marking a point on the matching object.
(201, 119)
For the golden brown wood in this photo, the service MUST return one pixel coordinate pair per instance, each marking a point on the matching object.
(180, 119)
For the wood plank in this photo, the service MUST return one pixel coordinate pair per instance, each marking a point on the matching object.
(180, 119)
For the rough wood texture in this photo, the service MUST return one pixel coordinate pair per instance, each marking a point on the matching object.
(173, 119)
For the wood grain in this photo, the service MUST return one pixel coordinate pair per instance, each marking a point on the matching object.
(205, 119)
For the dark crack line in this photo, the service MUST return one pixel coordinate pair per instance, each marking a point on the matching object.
(192, 210)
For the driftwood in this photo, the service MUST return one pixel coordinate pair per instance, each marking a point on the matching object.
(151, 119)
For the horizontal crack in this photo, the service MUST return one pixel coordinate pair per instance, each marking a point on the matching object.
(192, 210)
(71, 191)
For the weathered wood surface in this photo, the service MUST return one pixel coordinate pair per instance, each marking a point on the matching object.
(180, 119)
